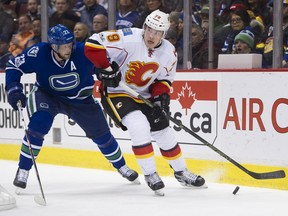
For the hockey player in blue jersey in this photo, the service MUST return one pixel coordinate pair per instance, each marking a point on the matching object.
(64, 84)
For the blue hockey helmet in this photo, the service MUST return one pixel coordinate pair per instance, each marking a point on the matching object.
(59, 35)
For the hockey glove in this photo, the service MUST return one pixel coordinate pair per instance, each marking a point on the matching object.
(110, 78)
(161, 105)
(15, 94)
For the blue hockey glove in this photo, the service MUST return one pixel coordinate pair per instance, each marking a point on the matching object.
(15, 94)
(110, 78)
(161, 105)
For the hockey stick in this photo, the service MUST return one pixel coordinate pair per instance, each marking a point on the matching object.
(266, 175)
(38, 199)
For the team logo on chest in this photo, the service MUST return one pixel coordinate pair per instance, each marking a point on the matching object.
(140, 73)
(64, 82)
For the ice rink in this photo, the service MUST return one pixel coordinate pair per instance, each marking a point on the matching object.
(85, 192)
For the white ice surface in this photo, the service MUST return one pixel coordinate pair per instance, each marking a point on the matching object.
(89, 192)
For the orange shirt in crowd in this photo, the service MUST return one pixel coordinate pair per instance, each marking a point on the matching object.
(18, 42)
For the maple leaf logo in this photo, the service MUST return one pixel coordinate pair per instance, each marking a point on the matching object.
(186, 97)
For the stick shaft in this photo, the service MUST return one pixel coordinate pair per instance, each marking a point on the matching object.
(30, 149)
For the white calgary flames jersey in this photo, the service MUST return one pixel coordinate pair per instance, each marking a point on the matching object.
(139, 66)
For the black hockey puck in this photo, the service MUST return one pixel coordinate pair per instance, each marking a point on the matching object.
(236, 190)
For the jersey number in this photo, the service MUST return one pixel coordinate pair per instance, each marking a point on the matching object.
(113, 37)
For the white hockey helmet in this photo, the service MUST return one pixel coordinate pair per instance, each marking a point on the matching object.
(158, 20)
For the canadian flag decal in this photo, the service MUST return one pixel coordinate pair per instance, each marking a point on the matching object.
(186, 97)
(189, 92)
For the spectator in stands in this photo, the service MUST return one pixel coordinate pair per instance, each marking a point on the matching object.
(200, 49)
(224, 38)
(261, 11)
(285, 33)
(100, 23)
(81, 32)
(244, 42)
(6, 22)
(172, 36)
(174, 20)
(180, 31)
(51, 7)
(222, 9)
(126, 15)
(5, 55)
(256, 26)
(177, 6)
(230, 5)
(171, 5)
(259, 31)
(104, 3)
(32, 9)
(237, 5)
(202, 19)
(36, 28)
(20, 7)
(91, 9)
(25, 33)
(268, 48)
(150, 5)
(63, 15)
(77, 6)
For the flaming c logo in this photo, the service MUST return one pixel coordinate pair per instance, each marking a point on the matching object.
(139, 73)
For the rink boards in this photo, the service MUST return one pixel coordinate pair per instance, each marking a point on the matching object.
(243, 113)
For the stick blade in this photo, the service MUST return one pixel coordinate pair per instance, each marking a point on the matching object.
(40, 200)
(269, 175)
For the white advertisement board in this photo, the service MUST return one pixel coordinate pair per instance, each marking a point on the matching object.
(254, 116)
(245, 114)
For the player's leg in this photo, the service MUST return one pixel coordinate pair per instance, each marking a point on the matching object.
(139, 130)
(171, 151)
(91, 119)
(126, 113)
(40, 122)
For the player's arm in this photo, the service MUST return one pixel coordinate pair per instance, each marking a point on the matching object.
(160, 89)
(13, 72)
(13, 86)
(108, 73)
(160, 97)
(96, 52)
(163, 82)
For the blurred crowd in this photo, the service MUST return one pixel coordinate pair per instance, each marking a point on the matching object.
(240, 26)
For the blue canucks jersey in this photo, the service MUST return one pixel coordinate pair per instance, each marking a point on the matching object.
(126, 21)
(72, 81)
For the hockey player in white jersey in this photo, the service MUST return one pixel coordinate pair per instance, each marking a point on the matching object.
(147, 64)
